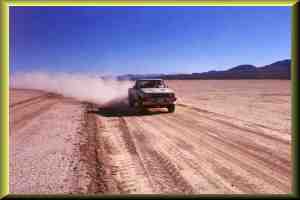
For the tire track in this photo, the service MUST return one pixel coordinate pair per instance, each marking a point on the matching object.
(127, 169)
(260, 138)
(261, 143)
(216, 146)
(230, 117)
(20, 117)
(164, 175)
(28, 101)
(220, 155)
(245, 144)
(136, 166)
(93, 170)
(204, 180)
(131, 143)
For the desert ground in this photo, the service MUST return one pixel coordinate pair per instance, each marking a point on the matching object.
(225, 137)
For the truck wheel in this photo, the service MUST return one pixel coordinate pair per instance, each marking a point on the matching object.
(141, 108)
(131, 103)
(171, 108)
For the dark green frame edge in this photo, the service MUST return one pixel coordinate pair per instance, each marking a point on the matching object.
(4, 121)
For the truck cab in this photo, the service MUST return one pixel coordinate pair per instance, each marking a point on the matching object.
(151, 93)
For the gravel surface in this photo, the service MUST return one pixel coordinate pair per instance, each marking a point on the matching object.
(45, 151)
(231, 137)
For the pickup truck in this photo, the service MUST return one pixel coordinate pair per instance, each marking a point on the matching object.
(151, 93)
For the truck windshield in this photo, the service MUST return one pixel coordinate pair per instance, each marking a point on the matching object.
(151, 84)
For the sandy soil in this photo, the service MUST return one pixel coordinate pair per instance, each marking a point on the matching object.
(225, 137)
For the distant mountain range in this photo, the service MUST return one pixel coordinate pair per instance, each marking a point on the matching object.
(277, 70)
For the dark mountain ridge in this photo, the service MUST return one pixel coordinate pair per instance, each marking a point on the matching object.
(277, 70)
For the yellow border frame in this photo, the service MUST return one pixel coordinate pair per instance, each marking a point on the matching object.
(4, 64)
(4, 100)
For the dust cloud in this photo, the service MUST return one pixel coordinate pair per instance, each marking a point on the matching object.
(83, 87)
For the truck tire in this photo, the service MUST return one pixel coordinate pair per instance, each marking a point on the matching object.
(131, 102)
(140, 107)
(171, 108)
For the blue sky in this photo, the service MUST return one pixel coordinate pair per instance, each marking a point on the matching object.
(121, 40)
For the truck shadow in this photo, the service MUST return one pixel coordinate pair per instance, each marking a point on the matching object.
(123, 110)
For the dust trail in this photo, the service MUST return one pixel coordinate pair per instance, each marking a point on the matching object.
(80, 86)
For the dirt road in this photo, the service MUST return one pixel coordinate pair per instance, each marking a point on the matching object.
(60, 145)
